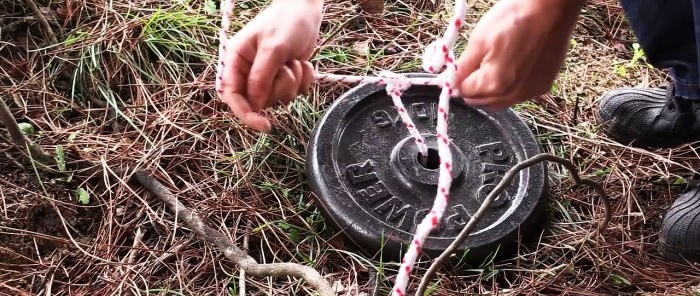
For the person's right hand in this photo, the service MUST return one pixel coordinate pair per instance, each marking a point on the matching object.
(516, 51)
(266, 62)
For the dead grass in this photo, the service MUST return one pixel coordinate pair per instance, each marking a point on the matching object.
(131, 86)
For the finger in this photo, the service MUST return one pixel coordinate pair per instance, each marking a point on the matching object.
(241, 109)
(482, 83)
(237, 60)
(470, 60)
(307, 77)
(307, 54)
(294, 88)
(283, 84)
(268, 62)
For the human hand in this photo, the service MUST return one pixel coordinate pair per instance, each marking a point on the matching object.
(515, 51)
(267, 61)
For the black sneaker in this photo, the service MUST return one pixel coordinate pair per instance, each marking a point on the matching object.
(649, 118)
(679, 236)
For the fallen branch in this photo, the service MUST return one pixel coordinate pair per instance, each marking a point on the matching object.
(42, 19)
(229, 249)
(241, 278)
(507, 178)
(18, 137)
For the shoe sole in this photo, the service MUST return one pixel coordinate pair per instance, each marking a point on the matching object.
(622, 140)
(626, 138)
(674, 254)
(680, 229)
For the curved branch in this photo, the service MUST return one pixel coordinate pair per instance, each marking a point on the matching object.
(507, 178)
(229, 249)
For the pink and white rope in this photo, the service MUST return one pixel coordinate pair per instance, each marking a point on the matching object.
(377, 79)
(438, 55)
(395, 89)
(227, 15)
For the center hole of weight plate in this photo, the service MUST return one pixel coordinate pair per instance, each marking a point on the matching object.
(432, 161)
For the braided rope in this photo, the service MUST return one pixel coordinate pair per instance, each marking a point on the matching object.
(395, 89)
(227, 15)
(378, 80)
(438, 55)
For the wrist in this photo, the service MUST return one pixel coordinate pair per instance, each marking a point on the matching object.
(560, 9)
(315, 3)
(552, 14)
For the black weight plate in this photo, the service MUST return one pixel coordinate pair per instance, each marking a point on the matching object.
(363, 168)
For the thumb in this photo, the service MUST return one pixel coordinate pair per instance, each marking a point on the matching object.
(469, 61)
(242, 109)
(475, 85)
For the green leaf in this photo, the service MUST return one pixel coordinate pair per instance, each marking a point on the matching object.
(295, 235)
(619, 280)
(621, 70)
(604, 172)
(72, 137)
(210, 7)
(283, 225)
(555, 89)
(60, 158)
(83, 196)
(26, 128)
(680, 181)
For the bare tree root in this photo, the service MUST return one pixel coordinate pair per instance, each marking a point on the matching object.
(42, 19)
(19, 139)
(507, 178)
(229, 249)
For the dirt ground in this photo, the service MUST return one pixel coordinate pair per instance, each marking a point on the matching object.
(33, 237)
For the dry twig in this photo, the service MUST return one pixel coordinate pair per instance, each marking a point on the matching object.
(507, 178)
(229, 249)
(42, 19)
(18, 138)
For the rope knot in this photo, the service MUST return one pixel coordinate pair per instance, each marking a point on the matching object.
(435, 56)
(395, 83)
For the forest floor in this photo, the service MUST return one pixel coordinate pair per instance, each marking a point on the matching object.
(130, 86)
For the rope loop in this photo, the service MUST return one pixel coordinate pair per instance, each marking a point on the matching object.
(434, 56)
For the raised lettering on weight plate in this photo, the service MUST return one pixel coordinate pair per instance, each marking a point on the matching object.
(424, 111)
(459, 218)
(420, 214)
(373, 194)
(382, 118)
(491, 171)
(361, 172)
(491, 174)
(419, 110)
(397, 213)
(495, 151)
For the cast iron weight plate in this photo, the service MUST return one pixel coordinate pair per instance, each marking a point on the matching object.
(363, 168)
